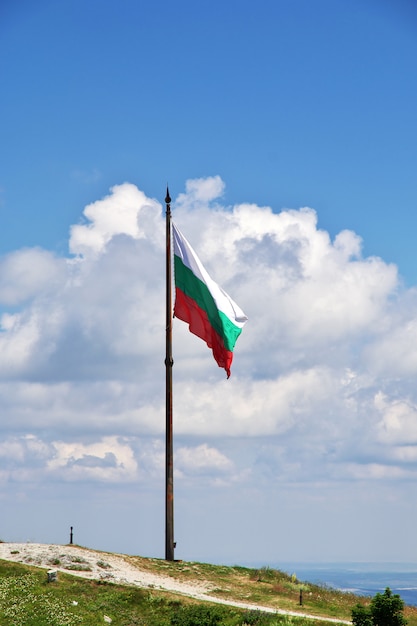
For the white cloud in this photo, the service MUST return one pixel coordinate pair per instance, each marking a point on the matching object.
(199, 192)
(108, 460)
(311, 303)
(202, 458)
(398, 423)
(322, 385)
(125, 211)
(252, 408)
(392, 355)
(29, 273)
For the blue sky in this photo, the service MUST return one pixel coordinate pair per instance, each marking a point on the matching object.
(292, 103)
(287, 133)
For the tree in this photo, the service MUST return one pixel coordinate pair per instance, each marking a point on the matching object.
(386, 609)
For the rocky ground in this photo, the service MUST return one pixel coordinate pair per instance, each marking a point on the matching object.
(93, 565)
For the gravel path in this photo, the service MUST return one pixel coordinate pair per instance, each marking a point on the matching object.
(116, 568)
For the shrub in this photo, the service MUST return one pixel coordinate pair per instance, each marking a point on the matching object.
(197, 615)
(255, 618)
(386, 609)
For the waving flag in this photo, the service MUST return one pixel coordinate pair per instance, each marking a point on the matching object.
(210, 313)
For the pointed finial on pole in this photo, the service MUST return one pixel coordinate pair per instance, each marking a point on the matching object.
(168, 198)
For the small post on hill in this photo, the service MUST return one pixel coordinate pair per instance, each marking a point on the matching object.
(169, 362)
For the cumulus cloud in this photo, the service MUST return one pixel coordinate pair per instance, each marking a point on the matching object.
(201, 458)
(199, 192)
(125, 211)
(398, 424)
(325, 361)
(109, 460)
(29, 273)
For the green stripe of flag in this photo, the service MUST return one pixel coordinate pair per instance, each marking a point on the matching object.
(198, 291)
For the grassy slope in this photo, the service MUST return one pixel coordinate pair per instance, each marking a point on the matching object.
(27, 599)
(265, 586)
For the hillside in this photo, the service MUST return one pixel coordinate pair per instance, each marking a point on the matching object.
(265, 591)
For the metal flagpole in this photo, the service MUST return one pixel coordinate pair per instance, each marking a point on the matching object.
(169, 362)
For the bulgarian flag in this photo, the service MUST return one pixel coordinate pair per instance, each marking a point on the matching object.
(209, 312)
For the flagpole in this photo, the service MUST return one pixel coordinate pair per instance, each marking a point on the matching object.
(169, 362)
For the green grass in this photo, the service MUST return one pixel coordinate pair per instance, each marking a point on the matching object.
(27, 599)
